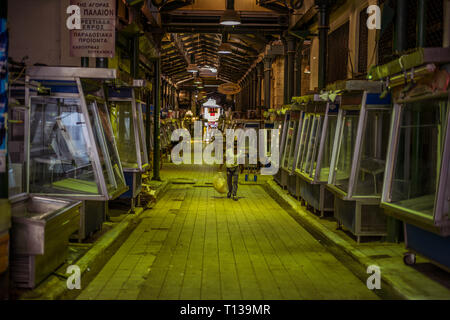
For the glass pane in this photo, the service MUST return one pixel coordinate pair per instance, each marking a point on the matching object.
(303, 140)
(417, 163)
(346, 148)
(289, 139)
(373, 153)
(59, 148)
(17, 178)
(104, 137)
(123, 127)
(142, 141)
(314, 140)
(328, 148)
(292, 148)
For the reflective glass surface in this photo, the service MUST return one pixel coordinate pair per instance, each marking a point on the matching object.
(306, 129)
(346, 149)
(123, 124)
(418, 155)
(60, 160)
(373, 153)
(327, 148)
(103, 135)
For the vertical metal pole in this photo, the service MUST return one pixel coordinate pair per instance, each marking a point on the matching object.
(267, 70)
(298, 70)
(260, 75)
(421, 23)
(291, 67)
(286, 70)
(323, 41)
(156, 124)
(401, 26)
(148, 127)
(134, 56)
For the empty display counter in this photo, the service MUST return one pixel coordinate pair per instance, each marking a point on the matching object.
(128, 127)
(41, 226)
(416, 187)
(314, 150)
(72, 151)
(359, 154)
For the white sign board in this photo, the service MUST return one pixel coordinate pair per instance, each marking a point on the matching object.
(97, 36)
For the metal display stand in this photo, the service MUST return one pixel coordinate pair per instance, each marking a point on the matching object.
(72, 150)
(358, 159)
(313, 153)
(128, 127)
(41, 226)
(416, 188)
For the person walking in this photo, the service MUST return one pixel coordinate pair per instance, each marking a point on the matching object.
(232, 172)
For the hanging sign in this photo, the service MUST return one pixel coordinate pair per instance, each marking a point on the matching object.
(229, 88)
(97, 35)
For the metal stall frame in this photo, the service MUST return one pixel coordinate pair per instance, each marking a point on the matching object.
(310, 188)
(75, 74)
(348, 207)
(278, 177)
(135, 173)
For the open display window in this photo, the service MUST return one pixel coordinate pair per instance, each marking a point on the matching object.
(128, 127)
(416, 187)
(73, 152)
(359, 155)
(314, 150)
(41, 226)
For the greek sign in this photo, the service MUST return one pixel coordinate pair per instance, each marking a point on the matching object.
(96, 38)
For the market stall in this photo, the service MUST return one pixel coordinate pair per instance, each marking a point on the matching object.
(358, 159)
(416, 187)
(128, 126)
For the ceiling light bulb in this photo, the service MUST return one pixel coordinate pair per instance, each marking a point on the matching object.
(230, 18)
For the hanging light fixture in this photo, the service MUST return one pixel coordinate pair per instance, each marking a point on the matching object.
(192, 67)
(225, 47)
(230, 17)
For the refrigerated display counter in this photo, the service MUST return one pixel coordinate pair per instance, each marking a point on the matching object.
(416, 187)
(359, 155)
(314, 149)
(72, 149)
(128, 126)
(41, 226)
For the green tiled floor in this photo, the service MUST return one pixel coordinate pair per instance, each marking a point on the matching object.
(197, 244)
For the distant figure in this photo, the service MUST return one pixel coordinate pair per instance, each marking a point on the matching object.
(232, 172)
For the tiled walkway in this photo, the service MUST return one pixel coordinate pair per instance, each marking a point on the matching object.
(197, 244)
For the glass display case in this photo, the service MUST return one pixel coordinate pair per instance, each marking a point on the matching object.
(416, 186)
(314, 153)
(128, 126)
(72, 149)
(39, 239)
(358, 158)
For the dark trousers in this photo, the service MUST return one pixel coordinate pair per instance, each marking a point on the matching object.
(232, 180)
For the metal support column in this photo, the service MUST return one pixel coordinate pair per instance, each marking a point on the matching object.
(291, 42)
(322, 7)
(285, 73)
(259, 75)
(134, 56)
(298, 70)
(401, 25)
(267, 71)
(156, 124)
(421, 23)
